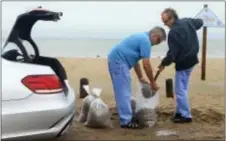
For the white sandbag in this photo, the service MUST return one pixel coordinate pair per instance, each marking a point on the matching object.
(86, 102)
(133, 105)
(146, 103)
(98, 115)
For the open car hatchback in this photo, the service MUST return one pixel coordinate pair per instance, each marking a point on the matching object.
(37, 99)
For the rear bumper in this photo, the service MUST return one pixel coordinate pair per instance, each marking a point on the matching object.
(50, 116)
(64, 124)
(56, 131)
(66, 127)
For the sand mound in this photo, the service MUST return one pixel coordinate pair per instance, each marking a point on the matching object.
(208, 116)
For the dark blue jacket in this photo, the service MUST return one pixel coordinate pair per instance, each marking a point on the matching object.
(183, 44)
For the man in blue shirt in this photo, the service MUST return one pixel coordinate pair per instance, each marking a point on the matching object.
(124, 56)
(183, 51)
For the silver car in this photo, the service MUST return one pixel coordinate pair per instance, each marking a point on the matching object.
(37, 100)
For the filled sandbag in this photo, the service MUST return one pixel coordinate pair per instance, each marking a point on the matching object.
(98, 115)
(86, 102)
(133, 105)
(146, 103)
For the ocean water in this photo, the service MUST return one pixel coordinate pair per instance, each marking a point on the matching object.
(101, 47)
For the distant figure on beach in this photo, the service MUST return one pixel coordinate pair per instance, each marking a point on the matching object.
(124, 56)
(183, 51)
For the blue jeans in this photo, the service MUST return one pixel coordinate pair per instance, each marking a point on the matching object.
(121, 81)
(181, 91)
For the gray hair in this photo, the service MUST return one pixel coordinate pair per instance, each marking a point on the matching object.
(171, 13)
(159, 31)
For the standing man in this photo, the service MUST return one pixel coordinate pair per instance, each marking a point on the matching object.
(124, 56)
(183, 51)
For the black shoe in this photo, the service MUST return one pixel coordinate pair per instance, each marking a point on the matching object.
(176, 115)
(134, 119)
(132, 125)
(182, 120)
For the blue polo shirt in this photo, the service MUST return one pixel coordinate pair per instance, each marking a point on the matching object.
(131, 49)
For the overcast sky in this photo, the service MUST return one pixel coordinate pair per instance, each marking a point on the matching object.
(105, 19)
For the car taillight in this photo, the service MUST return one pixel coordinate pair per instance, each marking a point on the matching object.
(43, 84)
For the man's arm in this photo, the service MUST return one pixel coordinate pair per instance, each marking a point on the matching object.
(198, 23)
(145, 53)
(173, 49)
(148, 70)
(138, 71)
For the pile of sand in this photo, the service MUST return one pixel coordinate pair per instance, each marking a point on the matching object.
(202, 117)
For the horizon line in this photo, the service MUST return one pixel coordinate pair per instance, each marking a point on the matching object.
(93, 37)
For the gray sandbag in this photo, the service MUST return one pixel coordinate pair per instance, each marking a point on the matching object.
(147, 117)
(147, 91)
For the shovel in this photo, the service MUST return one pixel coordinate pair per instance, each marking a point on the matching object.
(169, 85)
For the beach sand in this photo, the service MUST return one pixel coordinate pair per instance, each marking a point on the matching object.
(206, 100)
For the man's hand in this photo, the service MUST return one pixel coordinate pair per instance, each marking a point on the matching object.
(154, 86)
(161, 68)
(143, 80)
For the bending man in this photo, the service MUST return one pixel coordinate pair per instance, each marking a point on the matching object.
(124, 56)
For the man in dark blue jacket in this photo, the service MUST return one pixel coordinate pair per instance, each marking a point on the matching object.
(183, 51)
